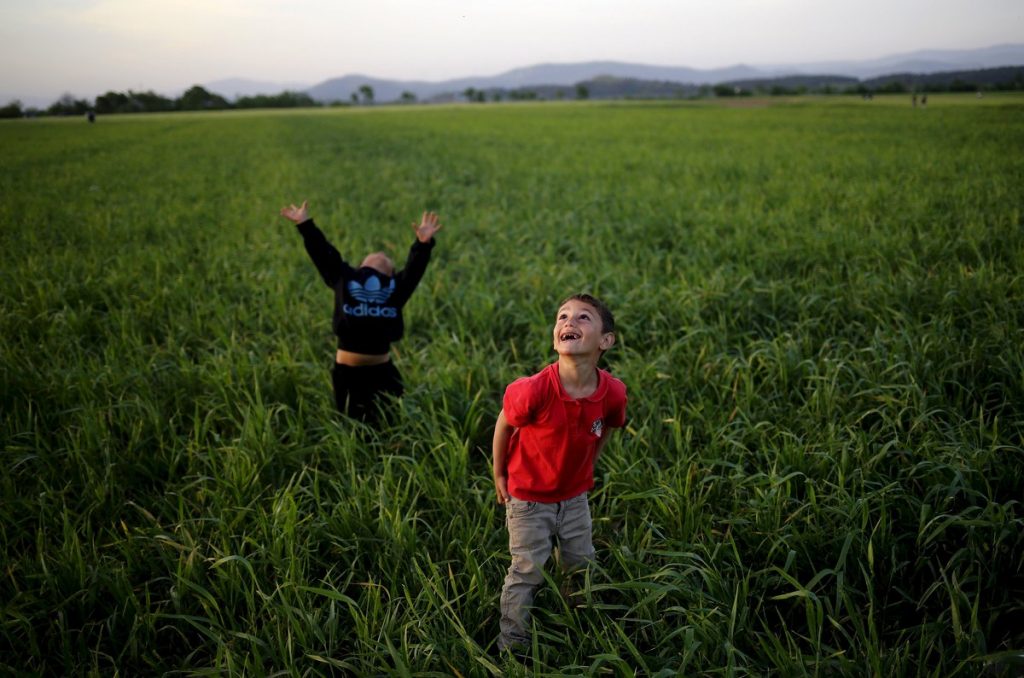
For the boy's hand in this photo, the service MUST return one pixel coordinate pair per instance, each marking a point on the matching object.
(427, 227)
(296, 214)
(499, 449)
(501, 486)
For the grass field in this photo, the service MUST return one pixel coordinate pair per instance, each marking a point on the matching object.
(821, 311)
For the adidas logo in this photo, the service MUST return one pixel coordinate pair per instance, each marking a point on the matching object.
(371, 292)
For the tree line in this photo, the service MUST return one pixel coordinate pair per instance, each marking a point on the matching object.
(198, 98)
(195, 98)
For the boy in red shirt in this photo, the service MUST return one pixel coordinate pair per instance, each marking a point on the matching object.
(550, 431)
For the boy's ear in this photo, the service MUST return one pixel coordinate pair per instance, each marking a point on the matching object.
(607, 341)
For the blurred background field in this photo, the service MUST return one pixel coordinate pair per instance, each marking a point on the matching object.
(821, 314)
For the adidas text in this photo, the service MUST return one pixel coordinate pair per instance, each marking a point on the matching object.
(365, 309)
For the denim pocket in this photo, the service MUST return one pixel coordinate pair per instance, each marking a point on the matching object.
(517, 508)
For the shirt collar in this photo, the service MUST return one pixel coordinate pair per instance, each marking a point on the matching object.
(598, 394)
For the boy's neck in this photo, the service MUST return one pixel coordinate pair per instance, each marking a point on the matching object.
(578, 375)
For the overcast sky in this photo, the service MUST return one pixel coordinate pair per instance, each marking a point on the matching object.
(87, 47)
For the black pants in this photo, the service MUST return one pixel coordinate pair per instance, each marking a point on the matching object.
(358, 390)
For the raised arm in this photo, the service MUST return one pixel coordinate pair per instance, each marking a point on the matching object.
(326, 259)
(409, 277)
(499, 449)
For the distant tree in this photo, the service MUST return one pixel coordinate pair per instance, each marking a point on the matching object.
(582, 91)
(132, 102)
(724, 91)
(367, 93)
(12, 110)
(355, 98)
(150, 101)
(197, 98)
(285, 99)
(68, 105)
(475, 95)
(113, 102)
(408, 97)
(496, 95)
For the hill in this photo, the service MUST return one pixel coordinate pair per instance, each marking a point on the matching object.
(615, 78)
(1007, 77)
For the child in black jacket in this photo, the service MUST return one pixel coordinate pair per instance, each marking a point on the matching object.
(368, 305)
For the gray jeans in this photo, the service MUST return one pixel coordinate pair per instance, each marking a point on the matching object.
(533, 529)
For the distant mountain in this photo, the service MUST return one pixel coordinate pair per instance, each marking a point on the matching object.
(952, 80)
(564, 75)
(795, 82)
(342, 89)
(232, 88)
(570, 74)
(611, 87)
(553, 76)
(1002, 78)
(921, 61)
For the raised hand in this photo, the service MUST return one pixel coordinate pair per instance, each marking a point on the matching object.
(427, 227)
(296, 214)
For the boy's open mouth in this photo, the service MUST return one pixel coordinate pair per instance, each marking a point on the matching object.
(569, 336)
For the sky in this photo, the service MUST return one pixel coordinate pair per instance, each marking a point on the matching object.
(88, 47)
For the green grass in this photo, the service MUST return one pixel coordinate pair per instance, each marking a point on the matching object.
(821, 311)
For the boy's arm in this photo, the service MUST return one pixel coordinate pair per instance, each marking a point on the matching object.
(601, 443)
(419, 256)
(617, 419)
(499, 448)
(325, 257)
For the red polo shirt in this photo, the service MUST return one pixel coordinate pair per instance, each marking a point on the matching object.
(551, 453)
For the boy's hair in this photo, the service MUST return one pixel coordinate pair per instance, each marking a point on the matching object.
(607, 319)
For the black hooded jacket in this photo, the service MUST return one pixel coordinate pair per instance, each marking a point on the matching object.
(367, 303)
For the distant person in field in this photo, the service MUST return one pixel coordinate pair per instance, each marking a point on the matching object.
(550, 431)
(368, 303)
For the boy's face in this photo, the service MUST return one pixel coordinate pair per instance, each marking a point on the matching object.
(379, 262)
(579, 331)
